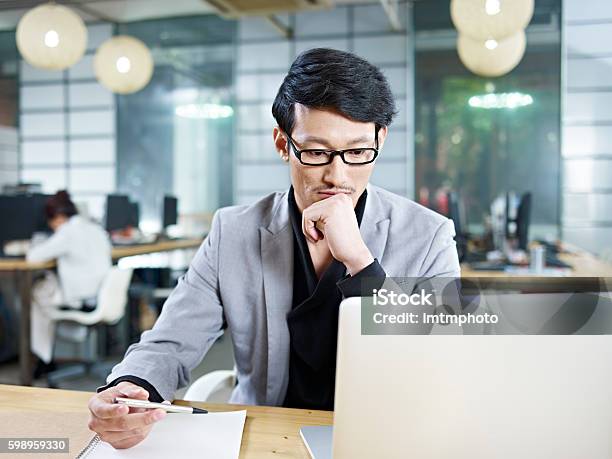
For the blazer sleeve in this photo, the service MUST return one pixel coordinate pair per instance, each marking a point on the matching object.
(442, 259)
(190, 322)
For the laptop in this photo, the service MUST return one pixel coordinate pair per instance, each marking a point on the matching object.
(468, 396)
(318, 441)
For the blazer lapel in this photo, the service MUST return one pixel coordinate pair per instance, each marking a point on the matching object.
(277, 260)
(374, 226)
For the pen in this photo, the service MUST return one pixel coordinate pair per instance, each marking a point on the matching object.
(167, 407)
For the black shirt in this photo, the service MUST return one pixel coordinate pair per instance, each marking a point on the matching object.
(313, 319)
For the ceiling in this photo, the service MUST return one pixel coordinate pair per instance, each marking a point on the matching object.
(435, 14)
(119, 10)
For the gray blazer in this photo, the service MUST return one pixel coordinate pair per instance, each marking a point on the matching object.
(243, 274)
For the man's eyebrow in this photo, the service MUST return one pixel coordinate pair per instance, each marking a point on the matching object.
(325, 142)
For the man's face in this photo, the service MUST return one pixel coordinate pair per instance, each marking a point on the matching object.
(326, 129)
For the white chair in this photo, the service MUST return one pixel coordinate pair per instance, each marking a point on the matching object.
(215, 386)
(110, 303)
(110, 308)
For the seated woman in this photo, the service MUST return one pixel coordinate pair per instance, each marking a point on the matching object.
(83, 253)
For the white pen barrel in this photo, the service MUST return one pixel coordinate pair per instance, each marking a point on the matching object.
(152, 405)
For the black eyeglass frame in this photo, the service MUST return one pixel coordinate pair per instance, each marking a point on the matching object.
(333, 153)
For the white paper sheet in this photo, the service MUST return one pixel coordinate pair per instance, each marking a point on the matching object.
(185, 436)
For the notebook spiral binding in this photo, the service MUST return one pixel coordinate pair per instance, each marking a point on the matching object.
(89, 448)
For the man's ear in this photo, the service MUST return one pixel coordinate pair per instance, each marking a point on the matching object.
(382, 135)
(280, 142)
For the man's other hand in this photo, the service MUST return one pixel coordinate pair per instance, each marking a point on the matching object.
(119, 425)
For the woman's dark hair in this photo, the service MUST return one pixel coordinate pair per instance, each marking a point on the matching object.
(344, 82)
(60, 204)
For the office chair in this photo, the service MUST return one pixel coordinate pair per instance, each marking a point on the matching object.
(110, 308)
(215, 386)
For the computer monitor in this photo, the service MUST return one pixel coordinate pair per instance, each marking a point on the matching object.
(170, 211)
(523, 217)
(457, 214)
(508, 227)
(510, 219)
(22, 216)
(134, 214)
(118, 212)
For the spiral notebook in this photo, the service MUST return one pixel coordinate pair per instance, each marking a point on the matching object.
(185, 436)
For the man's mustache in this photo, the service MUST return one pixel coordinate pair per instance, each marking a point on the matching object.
(334, 190)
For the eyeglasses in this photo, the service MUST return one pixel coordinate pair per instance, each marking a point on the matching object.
(321, 157)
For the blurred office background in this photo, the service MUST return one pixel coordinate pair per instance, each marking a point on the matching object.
(201, 129)
(65, 130)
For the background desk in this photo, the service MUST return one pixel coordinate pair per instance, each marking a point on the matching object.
(583, 265)
(22, 272)
(268, 432)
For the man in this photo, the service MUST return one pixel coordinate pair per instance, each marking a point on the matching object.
(276, 271)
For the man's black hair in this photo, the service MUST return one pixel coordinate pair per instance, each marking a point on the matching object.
(337, 80)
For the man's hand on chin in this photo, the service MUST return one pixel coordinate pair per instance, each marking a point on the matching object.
(333, 220)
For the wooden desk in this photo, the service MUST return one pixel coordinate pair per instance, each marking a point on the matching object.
(122, 251)
(268, 432)
(23, 271)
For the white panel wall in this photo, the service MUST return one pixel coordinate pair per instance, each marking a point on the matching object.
(43, 152)
(263, 60)
(9, 159)
(587, 124)
(587, 107)
(587, 11)
(67, 128)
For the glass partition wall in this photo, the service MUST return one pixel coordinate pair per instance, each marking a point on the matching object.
(9, 90)
(176, 136)
(485, 136)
